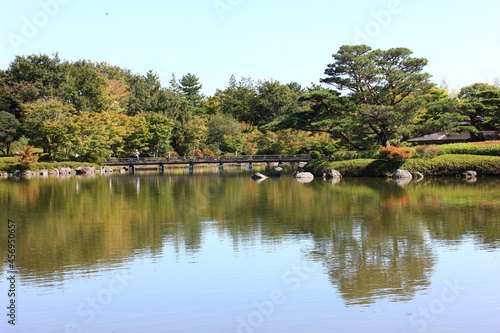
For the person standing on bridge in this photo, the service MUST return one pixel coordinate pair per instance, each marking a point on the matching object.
(137, 155)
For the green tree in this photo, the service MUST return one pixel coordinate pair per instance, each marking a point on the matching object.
(176, 108)
(483, 111)
(234, 143)
(42, 72)
(480, 105)
(144, 90)
(174, 85)
(196, 132)
(7, 99)
(138, 135)
(441, 114)
(386, 85)
(239, 100)
(327, 112)
(296, 87)
(85, 87)
(9, 131)
(99, 135)
(273, 101)
(190, 86)
(160, 128)
(48, 124)
(468, 93)
(220, 126)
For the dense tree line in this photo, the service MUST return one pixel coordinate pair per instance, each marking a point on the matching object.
(96, 110)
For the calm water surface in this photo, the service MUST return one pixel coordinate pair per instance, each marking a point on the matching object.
(223, 253)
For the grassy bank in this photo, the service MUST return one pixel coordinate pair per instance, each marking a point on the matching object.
(444, 165)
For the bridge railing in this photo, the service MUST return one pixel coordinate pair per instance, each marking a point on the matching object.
(209, 159)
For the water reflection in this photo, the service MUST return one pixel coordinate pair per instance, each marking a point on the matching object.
(374, 238)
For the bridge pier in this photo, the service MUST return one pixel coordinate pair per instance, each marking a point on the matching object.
(131, 169)
(160, 169)
(191, 167)
(250, 167)
(221, 167)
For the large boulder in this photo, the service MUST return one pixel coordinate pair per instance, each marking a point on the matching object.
(85, 170)
(303, 177)
(44, 172)
(303, 174)
(470, 174)
(65, 171)
(401, 174)
(106, 169)
(332, 173)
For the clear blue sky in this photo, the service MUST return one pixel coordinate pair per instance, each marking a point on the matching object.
(284, 40)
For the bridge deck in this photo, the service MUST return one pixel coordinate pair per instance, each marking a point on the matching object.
(208, 159)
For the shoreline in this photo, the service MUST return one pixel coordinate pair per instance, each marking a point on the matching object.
(95, 170)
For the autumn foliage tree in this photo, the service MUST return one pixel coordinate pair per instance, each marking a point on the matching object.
(27, 157)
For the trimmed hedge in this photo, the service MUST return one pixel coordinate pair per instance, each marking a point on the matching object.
(470, 149)
(444, 165)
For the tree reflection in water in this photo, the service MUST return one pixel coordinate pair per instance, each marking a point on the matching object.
(375, 238)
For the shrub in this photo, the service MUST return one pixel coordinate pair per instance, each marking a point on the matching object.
(195, 152)
(427, 151)
(27, 157)
(315, 155)
(171, 153)
(394, 154)
(207, 152)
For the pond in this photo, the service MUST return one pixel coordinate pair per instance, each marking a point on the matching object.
(220, 252)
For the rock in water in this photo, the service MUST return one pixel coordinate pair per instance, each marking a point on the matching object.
(332, 173)
(85, 170)
(402, 174)
(106, 169)
(258, 175)
(275, 173)
(303, 174)
(470, 174)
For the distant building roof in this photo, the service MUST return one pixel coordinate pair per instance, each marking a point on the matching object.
(447, 138)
